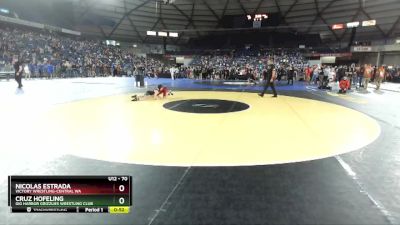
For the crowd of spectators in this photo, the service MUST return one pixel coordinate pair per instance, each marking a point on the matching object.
(246, 63)
(53, 55)
(46, 54)
(350, 76)
(393, 73)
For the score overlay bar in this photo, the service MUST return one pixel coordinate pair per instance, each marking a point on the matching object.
(69, 194)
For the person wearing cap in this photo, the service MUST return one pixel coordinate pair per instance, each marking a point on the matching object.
(269, 76)
(18, 72)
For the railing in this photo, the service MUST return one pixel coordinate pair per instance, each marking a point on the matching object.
(6, 74)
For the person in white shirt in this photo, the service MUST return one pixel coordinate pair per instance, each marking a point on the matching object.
(315, 74)
(172, 70)
(331, 75)
(27, 72)
(327, 70)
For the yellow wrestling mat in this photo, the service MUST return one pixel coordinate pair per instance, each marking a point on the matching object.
(270, 131)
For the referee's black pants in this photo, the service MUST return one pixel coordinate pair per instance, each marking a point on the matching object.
(19, 80)
(267, 84)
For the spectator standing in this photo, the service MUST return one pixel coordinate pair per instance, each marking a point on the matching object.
(341, 73)
(40, 69)
(50, 70)
(379, 77)
(290, 76)
(321, 74)
(315, 74)
(367, 75)
(308, 72)
(27, 72)
(360, 75)
(351, 74)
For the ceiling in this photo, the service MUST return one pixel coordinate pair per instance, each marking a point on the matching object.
(130, 19)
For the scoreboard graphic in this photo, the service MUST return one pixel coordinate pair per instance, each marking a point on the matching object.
(70, 194)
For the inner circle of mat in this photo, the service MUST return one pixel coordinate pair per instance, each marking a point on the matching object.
(272, 131)
(206, 106)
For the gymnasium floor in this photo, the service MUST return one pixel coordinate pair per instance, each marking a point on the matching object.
(213, 153)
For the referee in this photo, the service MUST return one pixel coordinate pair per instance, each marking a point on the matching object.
(269, 76)
(18, 72)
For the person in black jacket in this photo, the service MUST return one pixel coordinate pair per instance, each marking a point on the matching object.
(341, 73)
(269, 77)
(290, 75)
(18, 72)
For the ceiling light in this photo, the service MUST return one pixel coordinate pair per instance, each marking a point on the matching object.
(151, 33)
(6, 11)
(353, 24)
(162, 34)
(368, 23)
(173, 34)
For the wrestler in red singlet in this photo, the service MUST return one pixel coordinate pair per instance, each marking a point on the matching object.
(162, 90)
